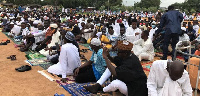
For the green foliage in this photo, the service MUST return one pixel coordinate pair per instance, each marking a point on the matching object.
(148, 3)
(70, 3)
(192, 10)
(102, 8)
(191, 5)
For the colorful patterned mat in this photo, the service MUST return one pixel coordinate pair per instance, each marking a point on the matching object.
(36, 62)
(31, 56)
(76, 89)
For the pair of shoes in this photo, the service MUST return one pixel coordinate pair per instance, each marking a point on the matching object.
(3, 43)
(23, 68)
(12, 57)
(163, 58)
(94, 88)
(6, 40)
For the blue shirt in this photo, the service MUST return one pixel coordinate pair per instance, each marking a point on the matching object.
(99, 64)
(172, 21)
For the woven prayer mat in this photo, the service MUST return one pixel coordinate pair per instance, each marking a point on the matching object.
(85, 45)
(76, 89)
(36, 62)
(16, 42)
(34, 56)
(45, 66)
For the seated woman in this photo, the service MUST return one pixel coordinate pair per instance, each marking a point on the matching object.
(66, 64)
(92, 70)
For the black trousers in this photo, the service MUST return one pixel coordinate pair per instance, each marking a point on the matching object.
(85, 75)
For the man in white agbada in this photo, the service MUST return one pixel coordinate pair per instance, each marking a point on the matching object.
(143, 48)
(15, 31)
(133, 33)
(167, 78)
(68, 60)
(55, 39)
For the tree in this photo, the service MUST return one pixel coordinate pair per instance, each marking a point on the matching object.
(148, 3)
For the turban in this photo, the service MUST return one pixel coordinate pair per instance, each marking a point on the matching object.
(124, 45)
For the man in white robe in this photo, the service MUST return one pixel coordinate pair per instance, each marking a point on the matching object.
(68, 60)
(167, 78)
(133, 33)
(143, 48)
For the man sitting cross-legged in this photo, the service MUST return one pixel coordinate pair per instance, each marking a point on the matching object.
(130, 77)
(68, 60)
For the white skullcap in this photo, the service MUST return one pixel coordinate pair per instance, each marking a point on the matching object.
(29, 19)
(54, 25)
(32, 19)
(11, 23)
(35, 22)
(95, 42)
(153, 22)
(183, 28)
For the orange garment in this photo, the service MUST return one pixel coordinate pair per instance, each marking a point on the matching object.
(49, 32)
(197, 52)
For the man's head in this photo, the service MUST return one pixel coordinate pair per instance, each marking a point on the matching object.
(122, 29)
(95, 44)
(170, 8)
(124, 48)
(145, 34)
(54, 26)
(175, 69)
(134, 23)
(110, 30)
(11, 25)
(23, 25)
(69, 37)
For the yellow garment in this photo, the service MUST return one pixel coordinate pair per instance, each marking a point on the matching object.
(199, 31)
(103, 39)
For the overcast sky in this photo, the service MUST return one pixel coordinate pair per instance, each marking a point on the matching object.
(164, 3)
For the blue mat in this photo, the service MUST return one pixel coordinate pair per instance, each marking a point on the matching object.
(76, 89)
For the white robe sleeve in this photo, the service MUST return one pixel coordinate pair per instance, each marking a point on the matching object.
(151, 82)
(186, 87)
(63, 61)
(40, 33)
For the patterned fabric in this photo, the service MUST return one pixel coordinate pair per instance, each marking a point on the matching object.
(49, 32)
(76, 89)
(100, 62)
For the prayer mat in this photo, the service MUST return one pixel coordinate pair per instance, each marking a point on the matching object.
(85, 45)
(34, 56)
(45, 66)
(36, 62)
(48, 75)
(76, 89)
(16, 42)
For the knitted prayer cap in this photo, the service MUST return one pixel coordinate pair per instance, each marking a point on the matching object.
(124, 45)
(70, 36)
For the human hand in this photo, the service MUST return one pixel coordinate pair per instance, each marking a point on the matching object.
(105, 52)
(137, 33)
(76, 72)
(64, 80)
